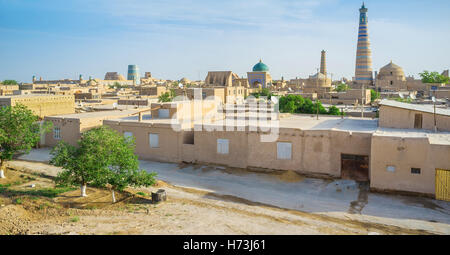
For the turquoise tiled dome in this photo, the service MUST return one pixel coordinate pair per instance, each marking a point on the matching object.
(260, 67)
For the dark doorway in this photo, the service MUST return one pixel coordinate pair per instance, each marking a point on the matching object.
(355, 167)
(418, 121)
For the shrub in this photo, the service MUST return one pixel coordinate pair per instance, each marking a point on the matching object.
(142, 193)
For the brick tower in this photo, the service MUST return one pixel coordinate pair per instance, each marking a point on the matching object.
(323, 63)
(363, 71)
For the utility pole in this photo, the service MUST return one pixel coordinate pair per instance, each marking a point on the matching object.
(317, 106)
(434, 113)
(317, 100)
(362, 101)
(317, 80)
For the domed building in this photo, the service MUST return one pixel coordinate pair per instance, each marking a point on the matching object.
(260, 67)
(260, 76)
(391, 71)
(390, 77)
(319, 82)
(184, 81)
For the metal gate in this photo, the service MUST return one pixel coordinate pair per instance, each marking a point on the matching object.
(443, 184)
(355, 167)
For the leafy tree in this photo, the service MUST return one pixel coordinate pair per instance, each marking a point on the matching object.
(298, 104)
(124, 168)
(265, 92)
(433, 77)
(172, 93)
(374, 95)
(117, 85)
(9, 82)
(333, 110)
(103, 158)
(342, 87)
(165, 97)
(19, 131)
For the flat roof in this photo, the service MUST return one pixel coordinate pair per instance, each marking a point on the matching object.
(439, 138)
(34, 95)
(415, 107)
(147, 120)
(329, 123)
(96, 114)
(309, 122)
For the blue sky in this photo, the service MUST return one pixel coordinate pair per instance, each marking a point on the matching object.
(175, 39)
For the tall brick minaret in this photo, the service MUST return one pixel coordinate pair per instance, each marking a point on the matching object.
(323, 63)
(363, 71)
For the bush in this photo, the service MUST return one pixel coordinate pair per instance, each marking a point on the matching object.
(333, 110)
(298, 104)
(404, 100)
(265, 92)
(433, 77)
(142, 193)
(9, 82)
(374, 95)
(342, 87)
(46, 192)
(165, 97)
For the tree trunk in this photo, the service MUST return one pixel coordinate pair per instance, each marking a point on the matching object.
(2, 169)
(83, 190)
(113, 196)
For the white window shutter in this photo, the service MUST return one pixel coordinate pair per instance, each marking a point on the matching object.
(154, 140)
(163, 113)
(284, 150)
(222, 146)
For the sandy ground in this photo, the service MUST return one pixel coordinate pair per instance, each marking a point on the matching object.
(289, 190)
(187, 211)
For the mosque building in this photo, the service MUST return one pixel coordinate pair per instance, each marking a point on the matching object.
(319, 82)
(260, 76)
(391, 77)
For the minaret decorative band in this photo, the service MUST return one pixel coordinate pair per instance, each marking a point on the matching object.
(363, 71)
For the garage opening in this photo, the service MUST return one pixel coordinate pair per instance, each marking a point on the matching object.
(355, 167)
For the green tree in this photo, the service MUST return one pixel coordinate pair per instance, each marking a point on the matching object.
(333, 110)
(9, 82)
(117, 85)
(342, 87)
(172, 93)
(265, 92)
(103, 158)
(165, 97)
(298, 104)
(19, 131)
(374, 95)
(433, 77)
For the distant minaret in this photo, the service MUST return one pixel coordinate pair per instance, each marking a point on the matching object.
(363, 72)
(323, 64)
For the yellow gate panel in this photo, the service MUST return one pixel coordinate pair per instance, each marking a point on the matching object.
(443, 184)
